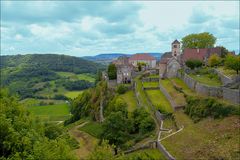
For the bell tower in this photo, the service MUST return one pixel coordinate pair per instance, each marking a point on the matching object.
(176, 50)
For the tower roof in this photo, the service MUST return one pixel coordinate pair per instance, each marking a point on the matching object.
(176, 42)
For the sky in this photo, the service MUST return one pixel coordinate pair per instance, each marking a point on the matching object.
(81, 28)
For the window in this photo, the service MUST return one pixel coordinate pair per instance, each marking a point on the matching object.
(174, 46)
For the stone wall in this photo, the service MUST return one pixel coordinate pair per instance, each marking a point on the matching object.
(226, 79)
(164, 151)
(112, 83)
(232, 95)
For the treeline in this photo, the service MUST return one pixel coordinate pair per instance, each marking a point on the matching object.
(24, 137)
(52, 62)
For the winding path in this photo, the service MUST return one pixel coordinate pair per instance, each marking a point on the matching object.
(86, 141)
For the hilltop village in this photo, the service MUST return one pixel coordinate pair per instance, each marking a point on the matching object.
(173, 64)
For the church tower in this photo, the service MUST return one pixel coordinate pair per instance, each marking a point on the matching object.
(176, 50)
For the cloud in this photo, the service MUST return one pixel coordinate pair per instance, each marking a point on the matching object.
(86, 28)
(199, 16)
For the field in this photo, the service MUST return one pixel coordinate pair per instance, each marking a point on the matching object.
(73, 76)
(58, 112)
(208, 139)
(72, 94)
(150, 84)
(177, 96)
(130, 99)
(92, 128)
(159, 100)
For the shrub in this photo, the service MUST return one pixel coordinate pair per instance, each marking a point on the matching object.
(121, 89)
(198, 108)
(214, 60)
(60, 97)
(193, 63)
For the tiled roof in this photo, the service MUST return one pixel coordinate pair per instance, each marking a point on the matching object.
(167, 55)
(143, 56)
(199, 53)
(164, 60)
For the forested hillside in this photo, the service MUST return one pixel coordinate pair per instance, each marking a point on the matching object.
(44, 75)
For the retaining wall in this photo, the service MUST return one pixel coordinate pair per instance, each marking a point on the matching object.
(231, 95)
(164, 151)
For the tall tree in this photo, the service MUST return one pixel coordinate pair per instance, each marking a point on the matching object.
(201, 40)
(232, 62)
(112, 71)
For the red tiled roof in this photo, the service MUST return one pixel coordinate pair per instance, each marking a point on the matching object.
(143, 56)
(199, 53)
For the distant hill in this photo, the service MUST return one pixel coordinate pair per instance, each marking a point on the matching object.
(37, 75)
(109, 57)
(52, 62)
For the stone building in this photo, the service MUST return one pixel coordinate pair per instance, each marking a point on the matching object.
(170, 62)
(149, 60)
(124, 70)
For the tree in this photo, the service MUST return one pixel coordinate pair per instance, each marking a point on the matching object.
(115, 129)
(102, 152)
(214, 60)
(201, 40)
(224, 52)
(232, 62)
(147, 124)
(121, 89)
(140, 65)
(112, 71)
(193, 63)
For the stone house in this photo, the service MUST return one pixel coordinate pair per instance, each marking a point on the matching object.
(124, 70)
(170, 62)
(149, 60)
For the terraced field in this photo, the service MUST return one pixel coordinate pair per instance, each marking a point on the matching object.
(150, 84)
(177, 96)
(130, 99)
(159, 100)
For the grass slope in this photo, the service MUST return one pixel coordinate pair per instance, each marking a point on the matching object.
(92, 128)
(150, 84)
(177, 96)
(207, 139)
(130, 99)
(72, 94)
(159, 100)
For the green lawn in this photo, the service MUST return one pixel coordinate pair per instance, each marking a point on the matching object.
(73, 94)
(208, 139)
(93, 128)
(130, 99)
(150, 84)
(208, 79)
(178, 97)
(159, 100)
(153, 154)
(58, 112)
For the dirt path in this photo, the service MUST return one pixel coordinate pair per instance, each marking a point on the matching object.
(87, 142)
